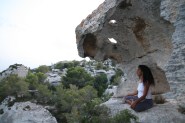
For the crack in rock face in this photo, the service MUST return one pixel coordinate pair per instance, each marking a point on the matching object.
(141, 36)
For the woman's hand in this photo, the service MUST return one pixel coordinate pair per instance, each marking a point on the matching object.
(133, 104)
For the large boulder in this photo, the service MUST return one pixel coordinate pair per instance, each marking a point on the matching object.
(134, 32)
(17, 69)
(24, 112)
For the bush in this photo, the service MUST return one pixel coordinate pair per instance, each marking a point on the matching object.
(100, 83)
(77, 76)
(44, 95)
(42, 69)
(41, 77)
(70, 64)
(95, 114)
(99, 65)
(13, 86)
(124, 116)
(115, 80)
(106, 97)
(32, 79)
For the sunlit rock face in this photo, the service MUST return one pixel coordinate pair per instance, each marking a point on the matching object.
(134, 32)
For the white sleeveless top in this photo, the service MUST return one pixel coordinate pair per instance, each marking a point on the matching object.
(140, 90)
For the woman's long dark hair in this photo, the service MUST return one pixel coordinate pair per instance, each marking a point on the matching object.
(147, 75)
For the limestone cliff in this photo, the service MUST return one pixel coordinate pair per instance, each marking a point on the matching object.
(144, 32)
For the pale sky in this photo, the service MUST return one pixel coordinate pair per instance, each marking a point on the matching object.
(40, 32)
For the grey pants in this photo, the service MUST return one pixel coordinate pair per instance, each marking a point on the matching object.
(141, 106)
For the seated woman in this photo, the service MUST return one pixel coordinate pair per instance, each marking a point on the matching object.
(141, 99)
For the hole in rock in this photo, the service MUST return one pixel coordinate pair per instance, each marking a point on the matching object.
(112, 40)
(112, 22)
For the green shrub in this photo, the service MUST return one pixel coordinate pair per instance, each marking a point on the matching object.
(95, 114)
(77, 76)
(124, 116)
(106, 97)
(13, 86)
(100, 83)
(115, 80)
(44, 95)
(42, 69)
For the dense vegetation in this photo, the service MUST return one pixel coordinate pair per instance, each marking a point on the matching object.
(77, 99)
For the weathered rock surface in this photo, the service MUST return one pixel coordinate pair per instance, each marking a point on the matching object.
(174, 12)
(160, 113)
(150, 32)
(146, 32)
(17, 69)
(142, 36)
(25, 112)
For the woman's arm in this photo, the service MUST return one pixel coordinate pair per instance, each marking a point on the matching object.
(146, 88)
(132, 94)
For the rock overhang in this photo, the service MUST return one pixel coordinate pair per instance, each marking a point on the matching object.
(141, 36)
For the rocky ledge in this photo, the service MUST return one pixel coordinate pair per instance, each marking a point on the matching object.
(160, 113)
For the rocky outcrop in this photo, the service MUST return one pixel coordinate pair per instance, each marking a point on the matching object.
(24, 112)
(17, 69)
(160, 113)
(134, 32)
(174, 12)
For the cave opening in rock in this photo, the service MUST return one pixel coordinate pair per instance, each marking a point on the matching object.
(89, 45)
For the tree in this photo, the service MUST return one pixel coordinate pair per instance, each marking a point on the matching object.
(77, 76)
(117, 77)
(70, 64)
(125, 116)
(78, 102)
(41, 77)
(59, 65)
(13, 86)
(44, 95)
(100, 83)
(42, 69)
(32, 79)
(99, 65)
(76, 63)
